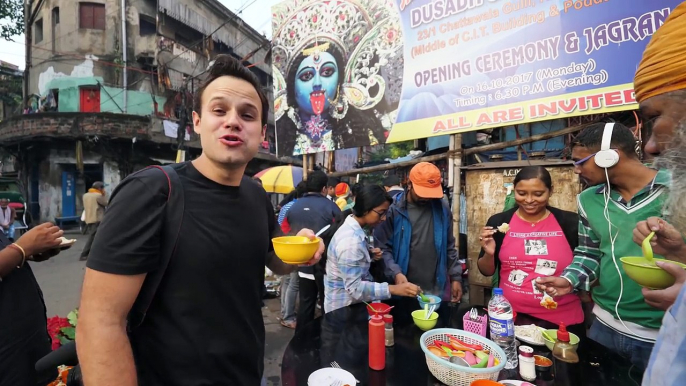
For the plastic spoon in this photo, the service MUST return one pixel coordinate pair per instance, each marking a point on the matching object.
(647, 248)
(455, 359)
(370, 306)
(430, 311)
(545, 333)
(322, 230)
(424, 298)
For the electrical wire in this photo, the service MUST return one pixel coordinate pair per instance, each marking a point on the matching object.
(137, 104)
(213, 32)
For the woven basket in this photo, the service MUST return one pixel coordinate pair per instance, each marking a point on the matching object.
(452, 374)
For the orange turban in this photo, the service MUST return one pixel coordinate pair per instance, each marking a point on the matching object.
(663, 67)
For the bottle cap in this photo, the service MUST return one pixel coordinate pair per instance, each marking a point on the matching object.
(377, 319)
(562, 334)
(388, 318)
(526, 351)
(497, 291)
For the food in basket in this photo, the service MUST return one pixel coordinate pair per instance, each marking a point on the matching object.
(531, 333)
(454, 341)
(548, 302)
(475, 358)
(504, 227)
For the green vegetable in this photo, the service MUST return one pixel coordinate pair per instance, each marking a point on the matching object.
(482, 364)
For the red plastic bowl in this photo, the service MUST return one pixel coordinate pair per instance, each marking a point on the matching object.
(378, 309)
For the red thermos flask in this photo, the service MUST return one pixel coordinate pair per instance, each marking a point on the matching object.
(377, 345)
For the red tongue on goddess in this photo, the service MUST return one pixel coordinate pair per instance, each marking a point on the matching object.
(317, 100)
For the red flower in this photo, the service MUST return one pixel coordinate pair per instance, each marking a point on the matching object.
(55, 324)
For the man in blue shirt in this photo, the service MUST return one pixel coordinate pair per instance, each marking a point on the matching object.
(312, 211)
(392, 185)
(417, 237)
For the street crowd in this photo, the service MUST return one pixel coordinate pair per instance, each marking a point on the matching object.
(203, 253)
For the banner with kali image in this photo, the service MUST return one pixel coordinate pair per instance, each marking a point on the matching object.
(337, 69)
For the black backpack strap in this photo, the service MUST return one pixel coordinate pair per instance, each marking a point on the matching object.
(171, 230)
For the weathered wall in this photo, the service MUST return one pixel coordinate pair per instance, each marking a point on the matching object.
(50, 190)
(67, 35)
(74, 125)
(44, 74)
(50, 180)
(110, 176)
(89, 73)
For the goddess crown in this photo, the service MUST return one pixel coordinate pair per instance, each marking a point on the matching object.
(367, 32)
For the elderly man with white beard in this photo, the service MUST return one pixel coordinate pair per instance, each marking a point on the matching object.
(667, 366)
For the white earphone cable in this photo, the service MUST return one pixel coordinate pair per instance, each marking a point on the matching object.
(606, 213)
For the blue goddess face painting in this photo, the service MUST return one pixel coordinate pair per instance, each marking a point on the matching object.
(316, 82)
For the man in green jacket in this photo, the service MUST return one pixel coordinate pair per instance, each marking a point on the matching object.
(604, 156)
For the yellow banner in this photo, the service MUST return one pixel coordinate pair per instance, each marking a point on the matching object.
(597, 101)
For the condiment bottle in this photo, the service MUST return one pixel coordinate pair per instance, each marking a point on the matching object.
(527, 365)
(377, 347)
(566, 360)
(388, 321)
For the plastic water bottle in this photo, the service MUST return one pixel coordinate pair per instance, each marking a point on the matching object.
(502, 326)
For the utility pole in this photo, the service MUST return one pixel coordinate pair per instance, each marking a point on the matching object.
(28, 36)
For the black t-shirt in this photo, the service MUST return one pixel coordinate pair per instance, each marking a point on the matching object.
(204, 326)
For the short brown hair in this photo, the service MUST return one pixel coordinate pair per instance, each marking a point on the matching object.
(225, 65)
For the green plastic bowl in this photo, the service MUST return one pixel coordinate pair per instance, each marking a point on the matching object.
(573, 339)
(646, 274)
(420, 321)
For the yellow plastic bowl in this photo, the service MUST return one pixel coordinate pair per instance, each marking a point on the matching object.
(646, 274)
(420, 321)
(295, 249)
(573, 339)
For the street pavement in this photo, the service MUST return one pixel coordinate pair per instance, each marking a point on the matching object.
(61, 278)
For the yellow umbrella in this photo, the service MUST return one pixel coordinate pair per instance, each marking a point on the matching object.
(280, 179)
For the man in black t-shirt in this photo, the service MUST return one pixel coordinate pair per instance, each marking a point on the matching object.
(204, 326)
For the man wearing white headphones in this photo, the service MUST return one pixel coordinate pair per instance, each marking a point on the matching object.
(622, 192)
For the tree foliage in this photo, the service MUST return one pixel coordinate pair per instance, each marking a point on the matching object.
(11, 19)
(392, 150)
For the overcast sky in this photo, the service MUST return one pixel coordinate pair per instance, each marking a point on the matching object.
(257, 13)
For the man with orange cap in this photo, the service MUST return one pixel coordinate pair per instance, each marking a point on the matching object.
(417, 237)
(660, 81)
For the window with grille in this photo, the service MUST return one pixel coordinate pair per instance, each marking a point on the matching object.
(92, 16)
